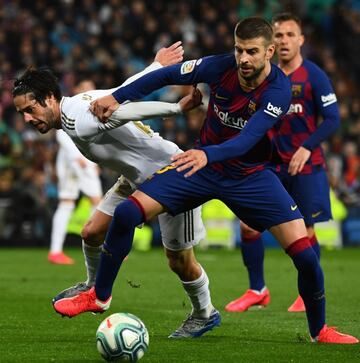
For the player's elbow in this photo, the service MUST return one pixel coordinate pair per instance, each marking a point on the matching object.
(333, 124)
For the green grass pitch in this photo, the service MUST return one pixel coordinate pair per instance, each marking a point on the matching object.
(30, 330)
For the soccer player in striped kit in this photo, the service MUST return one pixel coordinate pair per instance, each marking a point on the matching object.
(135, 152)
(297, 139)
(247, 96)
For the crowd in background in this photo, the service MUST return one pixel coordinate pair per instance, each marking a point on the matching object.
(109, 41)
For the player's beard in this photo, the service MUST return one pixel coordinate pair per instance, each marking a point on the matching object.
(256, 73)
(51, 118)
(48, 123)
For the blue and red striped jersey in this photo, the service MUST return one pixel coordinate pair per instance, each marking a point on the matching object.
(313, 101)
(236, 134)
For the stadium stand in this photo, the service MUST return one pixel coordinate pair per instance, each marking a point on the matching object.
(108, 41)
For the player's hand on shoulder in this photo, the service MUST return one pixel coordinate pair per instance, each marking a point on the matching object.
(298, 160)
(104, 107)
(171, 55)
(192, 100)
(192, 159)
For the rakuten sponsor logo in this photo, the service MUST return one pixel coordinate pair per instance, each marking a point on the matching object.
(228, 120)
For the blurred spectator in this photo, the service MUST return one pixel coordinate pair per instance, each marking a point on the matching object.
(8, 199)
(351, 162)
(28, 222)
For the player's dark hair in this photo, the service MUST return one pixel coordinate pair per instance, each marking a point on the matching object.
(254, 27)
(41, 82)
(280, 17)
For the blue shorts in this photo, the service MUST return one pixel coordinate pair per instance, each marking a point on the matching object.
(310, 192)
(259, 199)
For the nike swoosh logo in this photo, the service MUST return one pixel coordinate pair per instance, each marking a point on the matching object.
(293, 207)
(314, 215)
(220, 97)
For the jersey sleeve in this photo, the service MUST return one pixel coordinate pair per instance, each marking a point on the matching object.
(274, 103)
(152, 67)
(326, 106)
(203, 70)
(139, 111)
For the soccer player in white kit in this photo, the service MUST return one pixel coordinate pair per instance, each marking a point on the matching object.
(75, 173)
(135, 152)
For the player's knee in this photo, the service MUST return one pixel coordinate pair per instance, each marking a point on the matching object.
(248, 233)
(310, 231)
(93, 235)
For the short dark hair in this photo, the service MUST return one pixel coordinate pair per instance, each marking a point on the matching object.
(254, 27)
(280, 17)
(40, 82)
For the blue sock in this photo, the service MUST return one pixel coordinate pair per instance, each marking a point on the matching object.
(315, 245)
(117, 245)
(310, 283)
(253, 256)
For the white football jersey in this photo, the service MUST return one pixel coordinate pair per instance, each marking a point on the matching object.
(130, 148)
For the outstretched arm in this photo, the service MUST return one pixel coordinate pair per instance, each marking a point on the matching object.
(204, 70)
(104, 107)
(144, 110)
(171, 55)
(164, 57)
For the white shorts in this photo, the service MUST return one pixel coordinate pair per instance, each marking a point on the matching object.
(178, 233)
(72, 179)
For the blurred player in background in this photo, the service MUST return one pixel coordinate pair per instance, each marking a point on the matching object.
(297, 138)
(75, 173)
(247, 96)
(83, 86)
(134, 151)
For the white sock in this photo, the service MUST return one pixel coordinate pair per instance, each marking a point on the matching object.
(92, 260)
(259, 291)
(199, 295)
(59, 225)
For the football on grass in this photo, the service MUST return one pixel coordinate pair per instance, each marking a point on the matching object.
(122, 337)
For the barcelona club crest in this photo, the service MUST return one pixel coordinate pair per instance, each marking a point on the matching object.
(296, 90)
(251, 107)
